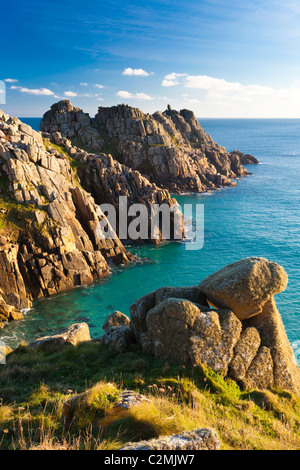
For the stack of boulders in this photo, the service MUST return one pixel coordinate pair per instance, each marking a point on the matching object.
(228, 323)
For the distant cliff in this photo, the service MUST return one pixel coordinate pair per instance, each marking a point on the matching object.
(170, 149)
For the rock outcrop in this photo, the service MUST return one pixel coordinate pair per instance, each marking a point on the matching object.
(229, 323)
(122, 402)
(199, 439)
(104, 176)
(117, 332)
(50, 227)
(170, 149)
(73, 334)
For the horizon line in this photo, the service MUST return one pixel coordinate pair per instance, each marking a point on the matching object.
(197, 117)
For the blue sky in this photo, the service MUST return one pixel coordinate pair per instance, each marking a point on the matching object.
(219, 58)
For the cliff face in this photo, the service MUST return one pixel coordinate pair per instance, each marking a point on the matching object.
(108, 180)
(49, 225)
(170, 149)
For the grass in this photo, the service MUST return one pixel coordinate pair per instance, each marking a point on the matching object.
(14, 216)
(75, 164)
(34, 386)
(63, 151)
(175, 141)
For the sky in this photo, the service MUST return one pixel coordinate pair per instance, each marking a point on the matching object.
(219, 58)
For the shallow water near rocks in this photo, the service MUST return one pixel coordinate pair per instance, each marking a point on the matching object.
(258, 217)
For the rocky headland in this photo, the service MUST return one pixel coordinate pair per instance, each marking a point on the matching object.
(52, 183)
(168, 148)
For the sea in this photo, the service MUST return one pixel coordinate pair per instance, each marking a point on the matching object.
(258, 217)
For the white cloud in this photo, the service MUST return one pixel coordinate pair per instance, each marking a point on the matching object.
(213, 97)
(135, 72)
(143, 96)
(172, 79)
(36, 91)
(219, 88)
(124, 94)
(70, 94)
(10, 80)
(139, 96)
(99, 86)
(84, 84)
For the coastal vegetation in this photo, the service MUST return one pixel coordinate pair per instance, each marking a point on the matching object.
(35, 384)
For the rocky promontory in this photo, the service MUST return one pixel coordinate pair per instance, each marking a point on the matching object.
(52, 183)
(169, 148)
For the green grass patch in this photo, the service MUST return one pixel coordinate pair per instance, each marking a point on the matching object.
(14, 215)
(35, 384)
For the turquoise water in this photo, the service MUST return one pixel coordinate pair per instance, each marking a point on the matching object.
(259, 217)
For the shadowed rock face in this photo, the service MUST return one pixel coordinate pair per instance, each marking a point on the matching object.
(170, 149)
(54, 244)
(242, 337)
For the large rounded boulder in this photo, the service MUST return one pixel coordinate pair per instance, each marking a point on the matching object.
(245, 286)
